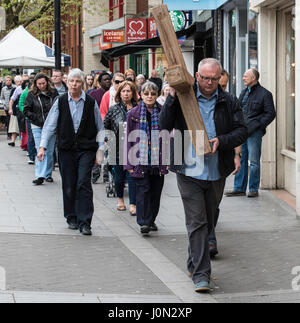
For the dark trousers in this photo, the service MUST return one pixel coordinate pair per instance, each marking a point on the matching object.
(120, 177)
(76, 169)
(219, 187)
(31, 144)
(200, 203)
(7, 119)
(148, 193)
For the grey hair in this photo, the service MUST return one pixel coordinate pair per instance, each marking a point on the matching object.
(18, 78)
(210, 61)
(150, 86)
(141, 76)
(76, 73)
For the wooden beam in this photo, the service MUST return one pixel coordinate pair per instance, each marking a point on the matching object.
(179, 78)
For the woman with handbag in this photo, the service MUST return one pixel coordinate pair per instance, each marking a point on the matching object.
(115, 120)
(38, 103)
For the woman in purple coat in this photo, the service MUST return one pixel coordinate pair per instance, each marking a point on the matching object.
(144, 157)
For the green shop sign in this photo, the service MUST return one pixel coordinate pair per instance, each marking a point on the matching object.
(178, 19)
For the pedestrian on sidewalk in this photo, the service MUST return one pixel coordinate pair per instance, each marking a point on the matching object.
(156, 80)
(13, 128)
(259, 111)
(59, 84)
(89, 84)
(115, 120)
(30, 144)
(108, 99)
(5, 97)
(201, 179)
(130, 75)
(212, 239)
(38, 103)
(146, 168)
(104, 79)
(75, 118)
(61, 88)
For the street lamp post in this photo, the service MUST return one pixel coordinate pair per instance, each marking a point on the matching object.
(57, 28)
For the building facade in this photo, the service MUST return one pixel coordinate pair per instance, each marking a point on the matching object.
(278, 29)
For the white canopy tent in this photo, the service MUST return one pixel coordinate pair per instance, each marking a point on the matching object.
(20, 49)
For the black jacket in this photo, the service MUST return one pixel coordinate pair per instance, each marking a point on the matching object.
(37, 107)
(116, 117)
(259, 111)
(230, 128)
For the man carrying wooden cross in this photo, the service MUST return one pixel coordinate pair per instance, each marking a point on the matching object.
(201, 179)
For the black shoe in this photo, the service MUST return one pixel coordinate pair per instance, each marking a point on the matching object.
(72, 226)
(253, 194)
(213, 250)
(86, 231)
(153, 227)
(235, 193)
(49, 180)
(145, 229)
(12, 144)
(38, 181)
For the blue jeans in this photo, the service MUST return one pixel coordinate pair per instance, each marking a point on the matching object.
(251, 151)
(30, 146)
(43, 169)
(120, 177)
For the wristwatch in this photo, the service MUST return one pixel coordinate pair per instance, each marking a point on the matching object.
(238, 154)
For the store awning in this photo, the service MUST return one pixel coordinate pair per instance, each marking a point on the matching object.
(112, 54)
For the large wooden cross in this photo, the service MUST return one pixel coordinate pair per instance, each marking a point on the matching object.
(179, 78)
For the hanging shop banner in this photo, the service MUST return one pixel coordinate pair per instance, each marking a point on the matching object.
(136, 30)
(113, 36)
(152, 29)
(194, 4)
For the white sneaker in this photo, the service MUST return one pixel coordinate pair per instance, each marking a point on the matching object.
(30, 162)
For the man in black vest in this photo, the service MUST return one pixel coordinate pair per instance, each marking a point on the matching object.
(75, 118)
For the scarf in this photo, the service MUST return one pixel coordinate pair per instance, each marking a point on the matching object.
(149, 153)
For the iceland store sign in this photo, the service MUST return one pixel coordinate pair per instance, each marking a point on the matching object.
(194, 4)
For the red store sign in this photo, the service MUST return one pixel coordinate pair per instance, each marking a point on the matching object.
(152, 29)
(136, 30)
(113, 36)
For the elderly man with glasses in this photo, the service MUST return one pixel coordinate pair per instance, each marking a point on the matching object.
(201, 179)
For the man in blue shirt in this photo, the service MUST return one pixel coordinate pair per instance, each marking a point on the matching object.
(201, 179)
(75, 119)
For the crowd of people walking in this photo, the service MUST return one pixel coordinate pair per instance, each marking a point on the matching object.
(73, 121)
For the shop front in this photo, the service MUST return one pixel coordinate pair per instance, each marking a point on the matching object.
(277, 61)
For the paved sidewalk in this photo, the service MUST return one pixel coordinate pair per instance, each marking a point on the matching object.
(45, 262)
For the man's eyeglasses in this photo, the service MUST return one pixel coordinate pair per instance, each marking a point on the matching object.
(212, 79)
(118, 82)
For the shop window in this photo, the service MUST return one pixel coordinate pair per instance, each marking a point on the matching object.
(290, 80)
(116, 9)
(232, 51)
(253, 50)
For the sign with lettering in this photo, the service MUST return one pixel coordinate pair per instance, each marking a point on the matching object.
(113, 36)
(152, 29)
(194, 4)
(136, 30)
